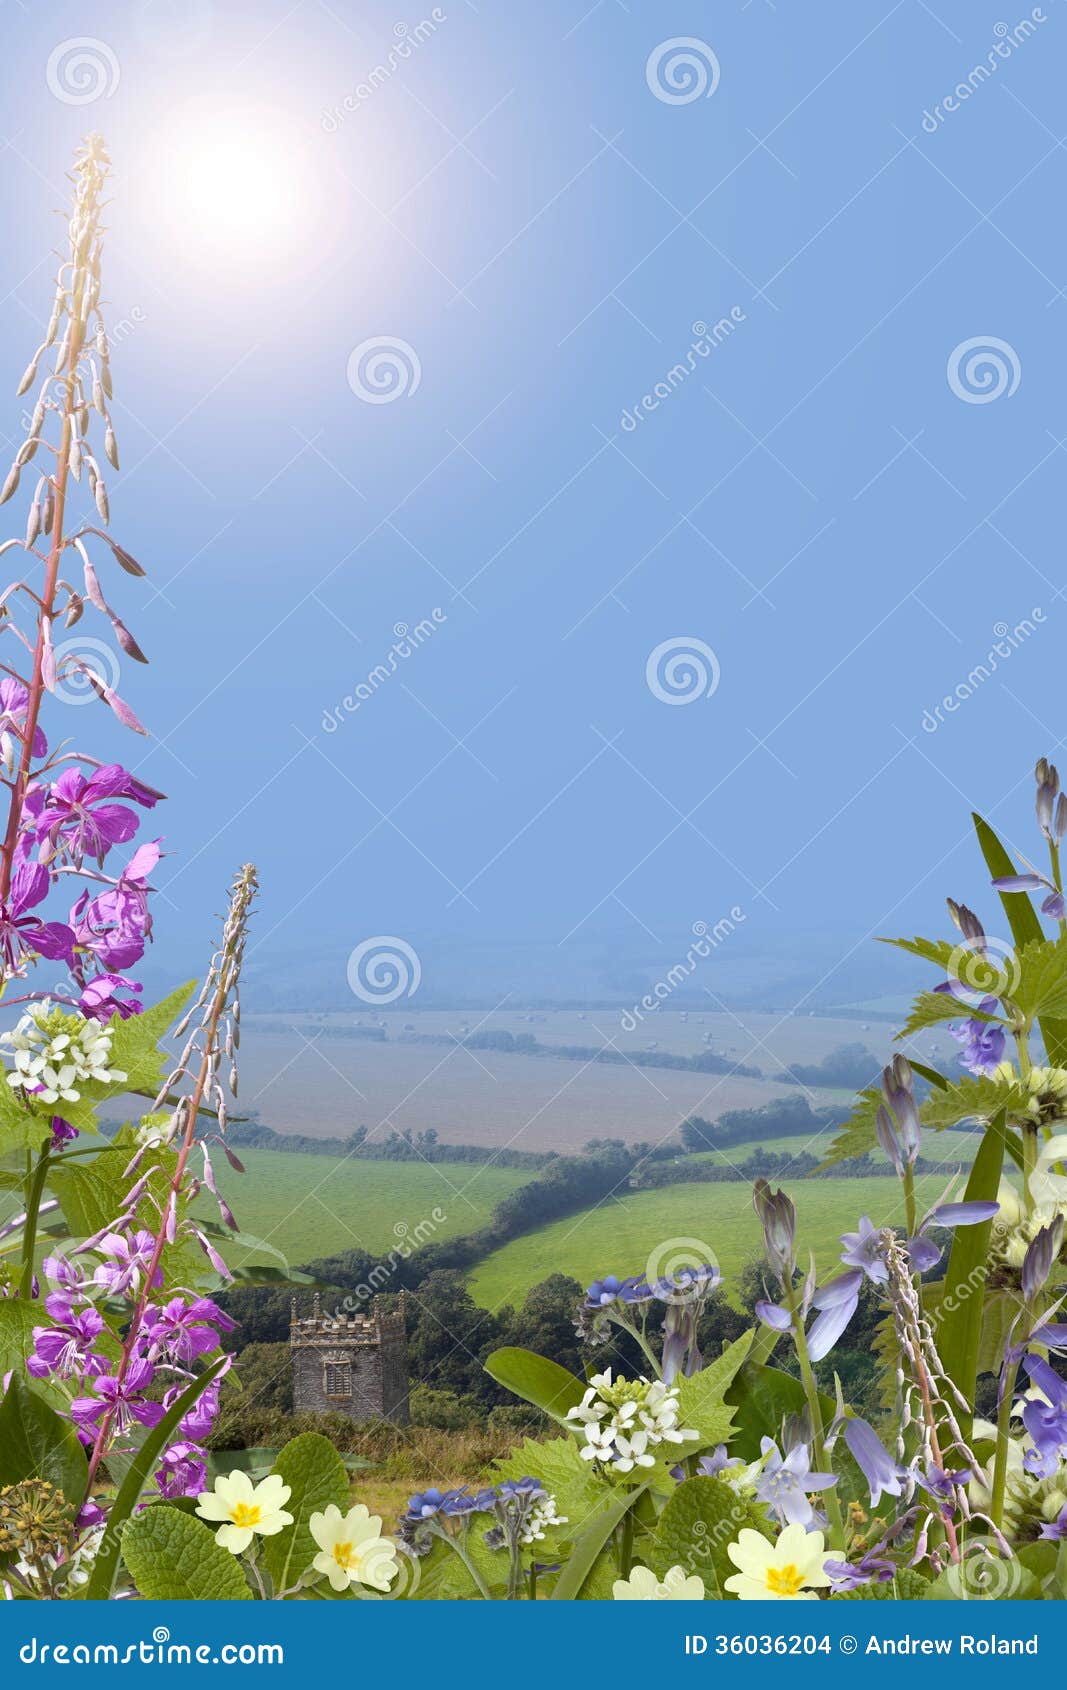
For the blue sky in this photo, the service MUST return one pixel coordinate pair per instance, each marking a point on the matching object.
(534, 231)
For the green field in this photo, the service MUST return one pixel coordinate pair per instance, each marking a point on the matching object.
(622, 1235)
(312, 1206)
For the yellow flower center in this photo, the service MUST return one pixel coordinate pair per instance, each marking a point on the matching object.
(246, 1514)
(345, 1555)
(784, 1581)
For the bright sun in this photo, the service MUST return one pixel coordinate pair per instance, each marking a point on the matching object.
(237, 189)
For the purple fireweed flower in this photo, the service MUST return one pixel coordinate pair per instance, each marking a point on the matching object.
(22, 933)
(99, 1000)
(67, 1275)
(1053, 904)
(66, 1348)
(125, 1401)
(14, 703)
(882, 1473)
(182, 1471)
(863, 1250)
(79, 818)
(837, 1303)
(182, 1331)
(62, 1132)
(785, 1482)
(129, 1260)
(198, 1424)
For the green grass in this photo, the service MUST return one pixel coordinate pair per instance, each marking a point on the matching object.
(312, 1206)
(946, 1146)
(623, 1234)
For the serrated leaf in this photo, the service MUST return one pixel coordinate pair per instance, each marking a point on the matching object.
(36, 1442)
(536, 1379)
(702, 1518)
(316, 1476)
(173, 1557)
(930, 1009)
(974, 1098)
(702, 1398)
(1041, 989)
(937, 951)
(858, 1134)
(21, 1128)
(135, 1042)
(560, 1468)
(906, 1585)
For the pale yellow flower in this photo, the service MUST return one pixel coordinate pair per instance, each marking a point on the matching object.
(352, 1549)
(246, 1509)
(786, 1570)
(643, 1586)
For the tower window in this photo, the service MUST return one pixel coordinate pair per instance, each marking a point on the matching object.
(337, 1380)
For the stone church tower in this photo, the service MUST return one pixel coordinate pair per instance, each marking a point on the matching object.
(350, 1364)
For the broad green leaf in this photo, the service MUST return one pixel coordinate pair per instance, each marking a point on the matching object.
(17, 1321)
(976, 1097)
(560, 1468)
(21, 1127)
(538, 1380)
(959, 1327)
(173, 1557)
(700, 1521)
(38, 1443)
(906, 1585)
(135, 1042)
(760, 1398)
(316, 1476)
(109, 1556)
(1041, 988)
(702, 1398)
(1025, 927)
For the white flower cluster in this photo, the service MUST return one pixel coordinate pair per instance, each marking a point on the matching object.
(54, 1051)
(542, 1514)
(626, 1420)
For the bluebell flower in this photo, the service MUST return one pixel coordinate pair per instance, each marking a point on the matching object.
(924, 1253)
(837, 1303)
(1052, 904)
(610, 1291)
(785, 1482)
(778, 1218)
(851, 1575)
(983, 1042)
(882, 1473)
(1045, 1421)
(863, 1249)
(1054, 1531)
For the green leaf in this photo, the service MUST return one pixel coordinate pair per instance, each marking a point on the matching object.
(974, 1098)
(703, 1402)
(700, 1521)
(590, 1541)
(38, 1443)
(173, 1557)
(937, 951)
(17, 1321)
(906, 1585)
(959, 1327)
(109, 1557)
(135, 1042)
(760, 1398)
(21, 1128)
(931, 1008)
(538, 1380)
(560, 1468)
(1041, 989)
(316, 1476)
(1025, 927)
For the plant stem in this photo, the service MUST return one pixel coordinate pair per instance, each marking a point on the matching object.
(1000, 1463)
(811, 1395)
(35, 1183)
(626, 1544)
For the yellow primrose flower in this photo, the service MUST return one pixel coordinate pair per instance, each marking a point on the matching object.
(785, 1570)
(643, 1586)
(245, 1508)
(352, 1548)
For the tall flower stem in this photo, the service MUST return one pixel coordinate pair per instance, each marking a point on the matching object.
(811, 1396)
(36, 1175)
(1000, 1460)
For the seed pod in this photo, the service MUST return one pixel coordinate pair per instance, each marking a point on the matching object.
(105, 378)
(75, 459)
(101, 343)
(48, 511)
(33, 521)
(37, 420)
(30, 374)
(75, 607)
(126, 640)
(100, 495)
(54, 321)
(111, 450)
(10, 484)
